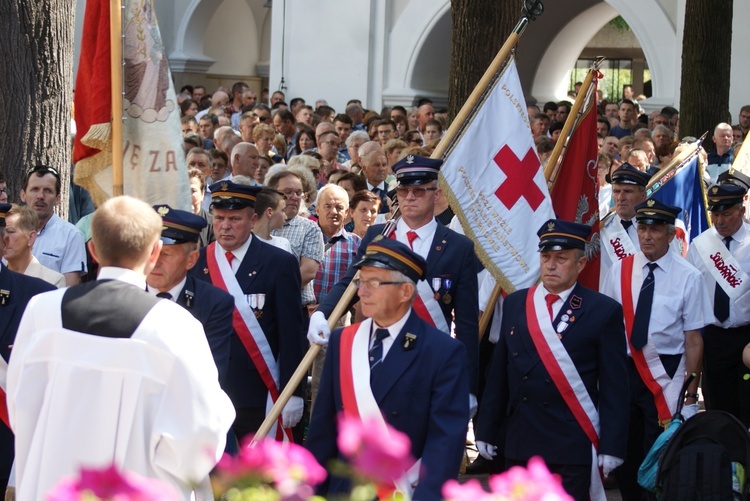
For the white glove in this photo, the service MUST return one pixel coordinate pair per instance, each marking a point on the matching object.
(689, 411)
(608, 463)
(487, 451)
(472, 405)
(318, 332)
(292, 412)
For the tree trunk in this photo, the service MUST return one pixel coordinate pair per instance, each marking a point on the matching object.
(36, 74)
(706, 55)
(480, 27)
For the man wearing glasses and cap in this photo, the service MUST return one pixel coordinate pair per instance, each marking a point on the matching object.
(59, 245)
(665, 305)
(169, 279)
(268, 344)
(449, 289)
(397, 369)
(722, 255)
(556, 337)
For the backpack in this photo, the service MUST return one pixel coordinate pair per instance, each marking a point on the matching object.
(704, 458)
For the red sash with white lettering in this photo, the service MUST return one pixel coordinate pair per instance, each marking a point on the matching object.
(248, 330)
(425, 304)
(615, 239)
(567, 380)
(3, 382)
(721, 264)
(647, 362)
(356, 393)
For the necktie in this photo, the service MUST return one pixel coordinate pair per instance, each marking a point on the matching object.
(376, 352)
(164, 295)
(639, 336)
(626, 223)
(230, 258)
(721, 300)
(551, 298)
(411, 236)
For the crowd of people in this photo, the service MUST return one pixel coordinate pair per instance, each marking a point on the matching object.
(290, 206)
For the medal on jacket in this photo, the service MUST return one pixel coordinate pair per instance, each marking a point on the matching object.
(256, 302)
(189, 296)
(4, 296)
(409, 340)
(436, 287)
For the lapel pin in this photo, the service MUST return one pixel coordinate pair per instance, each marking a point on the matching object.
(189, 296)
(409, 340)
(4, 296)
(575, 302)
(512, 330)
(438, 248)
(205, 271)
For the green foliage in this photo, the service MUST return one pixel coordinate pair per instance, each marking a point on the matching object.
(620, 24)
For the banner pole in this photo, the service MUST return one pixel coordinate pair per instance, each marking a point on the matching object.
(115, 38)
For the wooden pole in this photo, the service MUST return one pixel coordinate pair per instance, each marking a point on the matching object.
(484, 321)
(115, 38)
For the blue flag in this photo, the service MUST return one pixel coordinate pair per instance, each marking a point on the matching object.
(685, 189)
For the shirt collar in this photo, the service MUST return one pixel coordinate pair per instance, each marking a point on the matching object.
(423, 232)
(564, 294)
(395, 328)
(174, 291)
(239, 253)
(122, 274)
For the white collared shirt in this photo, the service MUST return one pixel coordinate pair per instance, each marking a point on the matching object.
(239, 253)
(557, 305)
(122, 274)
(393, 331)
(426, 235)
(174, 291)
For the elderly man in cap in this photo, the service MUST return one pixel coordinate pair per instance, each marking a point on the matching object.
(664, 305)
(415, 381)
(268, 344)
(169, 279)
(556, 336)
(449, 289)
(740, 179)
(16, 290)
(722, 255)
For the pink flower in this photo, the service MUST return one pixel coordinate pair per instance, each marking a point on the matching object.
(111, 484)
(471, 489)
(534, 482)
(374, 455)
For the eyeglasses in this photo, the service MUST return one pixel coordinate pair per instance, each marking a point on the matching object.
(262, 119)
(373, 283)
(289, 193)
(389, 131)
(418, 191)
(44, 169)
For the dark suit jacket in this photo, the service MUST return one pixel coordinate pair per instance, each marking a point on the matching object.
(275, 273)
(213, 308)
(20, 289)
(422, 392)
(521, 393)
(451, 257)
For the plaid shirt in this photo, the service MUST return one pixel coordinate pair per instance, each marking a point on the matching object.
(336, 261)
(307, 241)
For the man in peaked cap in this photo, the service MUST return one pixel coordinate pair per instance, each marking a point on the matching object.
(449, 289)
(722, 255)
(268, 344)
(664, 305)
(15, 291)
(417, 375)
(618, 232)
(555, 335)
(169, 279)
(739, 178)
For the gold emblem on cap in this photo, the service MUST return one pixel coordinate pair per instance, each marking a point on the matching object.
(163, 211)
(224, 186)
(715, 189)
(651, 203)
(378, 238)
(410, 159)
(550, 226)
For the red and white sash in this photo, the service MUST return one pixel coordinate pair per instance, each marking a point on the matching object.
(356, 393)
(721, 264)
(425, 303)
(567, 380)
(3, 388)
(666, 390)
(249, 331)
(616, 240)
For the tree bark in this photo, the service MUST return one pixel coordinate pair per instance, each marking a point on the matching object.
(706, 58)
(480, 27)
(36, 75)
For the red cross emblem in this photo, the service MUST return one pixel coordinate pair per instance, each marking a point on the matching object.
(520, 180)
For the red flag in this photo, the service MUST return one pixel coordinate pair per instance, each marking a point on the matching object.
(575, 194)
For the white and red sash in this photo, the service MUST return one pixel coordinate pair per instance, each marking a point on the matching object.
(567, 380)
(3, 397)
(616, 240)
(666, 390)
(356, 393)
(249, 331)
(425, 303)
(721, 264)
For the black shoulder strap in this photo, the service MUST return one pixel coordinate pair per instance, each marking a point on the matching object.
(107, 308)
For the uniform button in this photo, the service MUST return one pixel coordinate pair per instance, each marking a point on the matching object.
(525, 378)
(524, 399)
(515, 354)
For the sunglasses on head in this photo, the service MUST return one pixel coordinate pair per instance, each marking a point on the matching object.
(44, 169)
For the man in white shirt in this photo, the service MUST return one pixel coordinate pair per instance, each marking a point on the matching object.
(105, 372)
